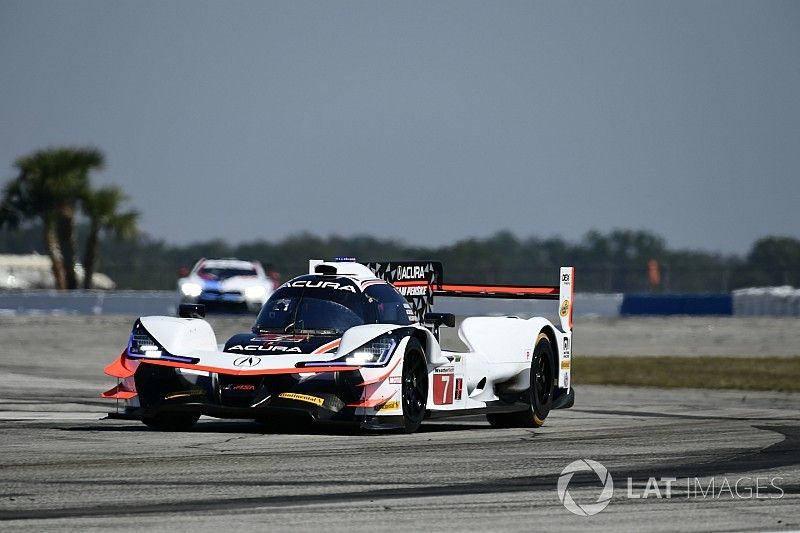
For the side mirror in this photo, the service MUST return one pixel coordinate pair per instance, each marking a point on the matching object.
(192, 311)
(441, 319)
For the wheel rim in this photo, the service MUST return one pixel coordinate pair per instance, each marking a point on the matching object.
(415, 394)
(542, 379)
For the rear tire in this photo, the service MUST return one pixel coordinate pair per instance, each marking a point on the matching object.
(539, 395)
(415, 386)
(171, 421)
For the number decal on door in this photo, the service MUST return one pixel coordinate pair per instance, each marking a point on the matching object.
(443, 386)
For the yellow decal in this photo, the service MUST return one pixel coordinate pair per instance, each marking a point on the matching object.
(564, 308)
(302, 398)
(389, 406)
(565, 365)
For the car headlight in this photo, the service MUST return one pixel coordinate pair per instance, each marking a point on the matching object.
(141, 343)
(374, 353)
(191, 290)
(256, 292)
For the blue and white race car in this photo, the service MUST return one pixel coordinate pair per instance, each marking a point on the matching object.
(226, 282)
(352, 343)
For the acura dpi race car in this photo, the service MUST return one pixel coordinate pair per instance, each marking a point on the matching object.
(226, 282)
(355, 343)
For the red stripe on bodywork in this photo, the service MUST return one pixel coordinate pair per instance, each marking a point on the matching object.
(328, 347)
(370, 403)
(410, 283)
(264, 372)
(382, 377)
(497, 289)
(119, 368)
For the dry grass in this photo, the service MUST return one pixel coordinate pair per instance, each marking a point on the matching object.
(762, 373)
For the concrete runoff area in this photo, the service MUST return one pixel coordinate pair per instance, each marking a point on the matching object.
(62, 468)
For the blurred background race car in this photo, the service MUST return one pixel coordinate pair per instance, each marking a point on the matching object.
(228, 283)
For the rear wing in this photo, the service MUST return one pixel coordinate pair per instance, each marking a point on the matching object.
(420, 281)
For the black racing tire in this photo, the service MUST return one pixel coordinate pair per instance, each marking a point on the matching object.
(540, 394)
(171, 421)
(415, 386)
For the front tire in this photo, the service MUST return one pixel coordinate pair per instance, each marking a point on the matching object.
(415, 386)
(171, 421)
(540, 393)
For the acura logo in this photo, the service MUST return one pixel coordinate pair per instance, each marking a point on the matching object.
(248, 361)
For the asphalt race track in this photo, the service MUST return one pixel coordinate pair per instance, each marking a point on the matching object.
(61, 467)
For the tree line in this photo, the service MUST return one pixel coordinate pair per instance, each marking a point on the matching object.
(53, 191)
(51, 207)
(616, 261)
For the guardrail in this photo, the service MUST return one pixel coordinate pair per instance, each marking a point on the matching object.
(88, 302)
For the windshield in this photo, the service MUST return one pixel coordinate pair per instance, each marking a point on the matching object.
(314, 306)
(296, 309)
(218, 274)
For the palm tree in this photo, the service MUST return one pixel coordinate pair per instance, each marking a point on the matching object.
(101, 207)
(48, 187)
(26, 198)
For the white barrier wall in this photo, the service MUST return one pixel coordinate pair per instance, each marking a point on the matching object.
(758, 301)
(767, 301)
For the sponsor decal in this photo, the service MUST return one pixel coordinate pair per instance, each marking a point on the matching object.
(280, 338)
(395, 380)
(312, 284)
(443, 385)
(263, 348)
(565, 278)
(564, 311)
(302, 398)
(565, 351)
(422, 276)
(185, 394)
(410, 272)
(248, 361)
(241, 386)
(565, 364)
(457, 358)
(528, 355)
(422, 290)
(391, 405)
(459, 383)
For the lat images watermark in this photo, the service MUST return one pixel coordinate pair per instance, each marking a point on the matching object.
(741, 488)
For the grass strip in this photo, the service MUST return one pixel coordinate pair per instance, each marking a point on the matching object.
(710, 372)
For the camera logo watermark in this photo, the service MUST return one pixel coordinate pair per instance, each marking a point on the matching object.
(586, 509)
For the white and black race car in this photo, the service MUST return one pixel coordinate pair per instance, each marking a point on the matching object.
(353, 343)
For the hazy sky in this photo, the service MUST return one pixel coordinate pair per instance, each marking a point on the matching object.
(428, 121)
